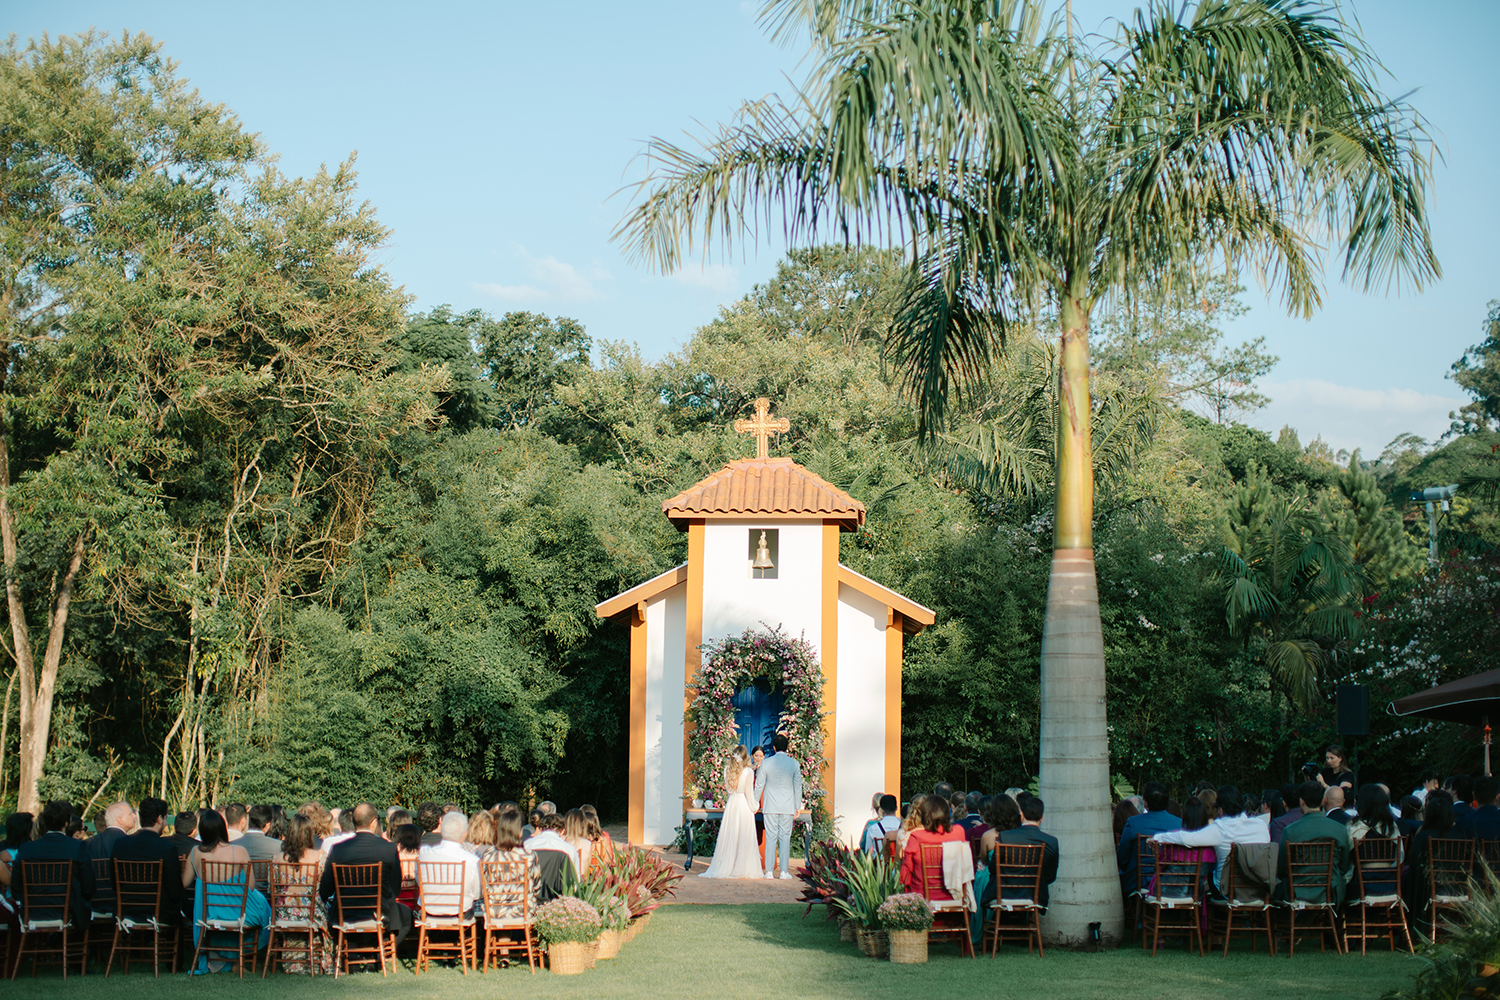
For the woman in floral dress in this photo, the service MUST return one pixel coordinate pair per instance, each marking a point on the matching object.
(299, 848)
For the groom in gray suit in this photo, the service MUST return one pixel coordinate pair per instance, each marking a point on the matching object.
(780, 779)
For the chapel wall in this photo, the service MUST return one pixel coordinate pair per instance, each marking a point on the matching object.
(666, 647)
(733, 602)
(859, 713)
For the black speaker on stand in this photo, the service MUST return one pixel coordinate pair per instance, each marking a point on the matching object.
(1353, 719)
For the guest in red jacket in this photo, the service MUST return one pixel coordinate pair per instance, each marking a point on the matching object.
(937, 828)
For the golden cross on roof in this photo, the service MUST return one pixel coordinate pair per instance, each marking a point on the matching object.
(762, 425)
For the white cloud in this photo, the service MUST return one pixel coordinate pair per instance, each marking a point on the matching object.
(551, 280)
(1350, 417)
(719, 278)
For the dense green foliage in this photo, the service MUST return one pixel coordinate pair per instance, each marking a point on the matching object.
(341, 550)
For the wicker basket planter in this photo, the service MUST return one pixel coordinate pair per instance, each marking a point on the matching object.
(609, 943)
(568, 958)
(875, 944)
(592, 953)
(908, 947)
(847, 930)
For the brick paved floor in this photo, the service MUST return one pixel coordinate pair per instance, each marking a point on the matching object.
(694, 889)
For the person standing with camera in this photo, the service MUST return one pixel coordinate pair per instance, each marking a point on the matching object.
(1336, 773)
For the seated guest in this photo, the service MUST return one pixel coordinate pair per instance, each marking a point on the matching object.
(876, 831)
(256, 840)
(1273, 804)
(480, 840)
(974, 822)
(429, 814)
(453, 827)
(119, 822)
(322, 820)
(1156, 819)
(367, 846)
(408, 840)
(214, 846)
(557, 858)
(148, 844)
(1000, 814)
(1210, 799)
(236, 820)
(936, 828)
(944, 789)
(1180, 859)
(1411, 816)
(1231, 827)
(1333, 804)
(1372, 815)
(1416, 886)
(1293, 814)
(1315, 826)
(1030, 832)
(1485, 821)
(510, 846)
(1123, 812)
(911, 821)
(55, 845)
(958, 809)
(1462, 787)
(864, 834)
(602, 845)
(575, 832)
(184, 832)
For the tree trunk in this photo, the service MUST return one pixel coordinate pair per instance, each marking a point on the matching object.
(35, 737)
(1074, 736)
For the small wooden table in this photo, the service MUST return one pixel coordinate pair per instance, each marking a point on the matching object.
(691, 816)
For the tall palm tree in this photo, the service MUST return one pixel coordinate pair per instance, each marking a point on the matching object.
(1022, 169)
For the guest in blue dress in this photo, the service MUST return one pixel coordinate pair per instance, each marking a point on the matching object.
(214, 845)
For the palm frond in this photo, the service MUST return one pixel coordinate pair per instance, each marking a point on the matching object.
(1296, 666)
(1249, 130)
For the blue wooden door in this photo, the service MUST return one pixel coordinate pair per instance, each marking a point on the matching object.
(757, 711)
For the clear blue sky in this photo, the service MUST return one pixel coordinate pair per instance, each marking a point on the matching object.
(491, 137)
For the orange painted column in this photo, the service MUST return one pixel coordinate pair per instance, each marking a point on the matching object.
(893, 642)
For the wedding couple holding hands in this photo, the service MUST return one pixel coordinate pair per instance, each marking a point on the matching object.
(777, 786)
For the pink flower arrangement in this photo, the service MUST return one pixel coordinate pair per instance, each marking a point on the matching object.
(734, 662)
(567, 919)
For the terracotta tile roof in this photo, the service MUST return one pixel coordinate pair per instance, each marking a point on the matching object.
(764, 487)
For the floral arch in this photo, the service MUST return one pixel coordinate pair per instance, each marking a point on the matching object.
(734, 662)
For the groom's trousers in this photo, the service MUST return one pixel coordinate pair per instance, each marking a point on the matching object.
(779, 836)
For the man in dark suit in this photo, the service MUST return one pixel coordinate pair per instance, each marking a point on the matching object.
(148, 844)
(1154, 820)
(1333, 805)
(262, 847)
(367, 847)
(119, 822)
(1315, 826)
(184, 826)
(1030, 832)
(1485, 821)
(1462, 787)
(55, 845)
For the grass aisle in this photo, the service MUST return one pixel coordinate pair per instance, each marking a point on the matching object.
(715, 952)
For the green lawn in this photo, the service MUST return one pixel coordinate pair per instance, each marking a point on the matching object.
(768, 950)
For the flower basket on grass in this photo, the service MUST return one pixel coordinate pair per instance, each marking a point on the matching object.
(906, 918)
(569, 926)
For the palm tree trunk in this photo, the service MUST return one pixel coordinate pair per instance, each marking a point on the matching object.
(1074, 735)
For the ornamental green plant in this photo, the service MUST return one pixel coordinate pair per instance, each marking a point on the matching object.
(906, 911)
(872, 879)
(567, 920)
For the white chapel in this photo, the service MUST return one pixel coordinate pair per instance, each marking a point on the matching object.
(763, 550)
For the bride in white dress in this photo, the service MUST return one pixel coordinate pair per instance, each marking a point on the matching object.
(736, 853)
